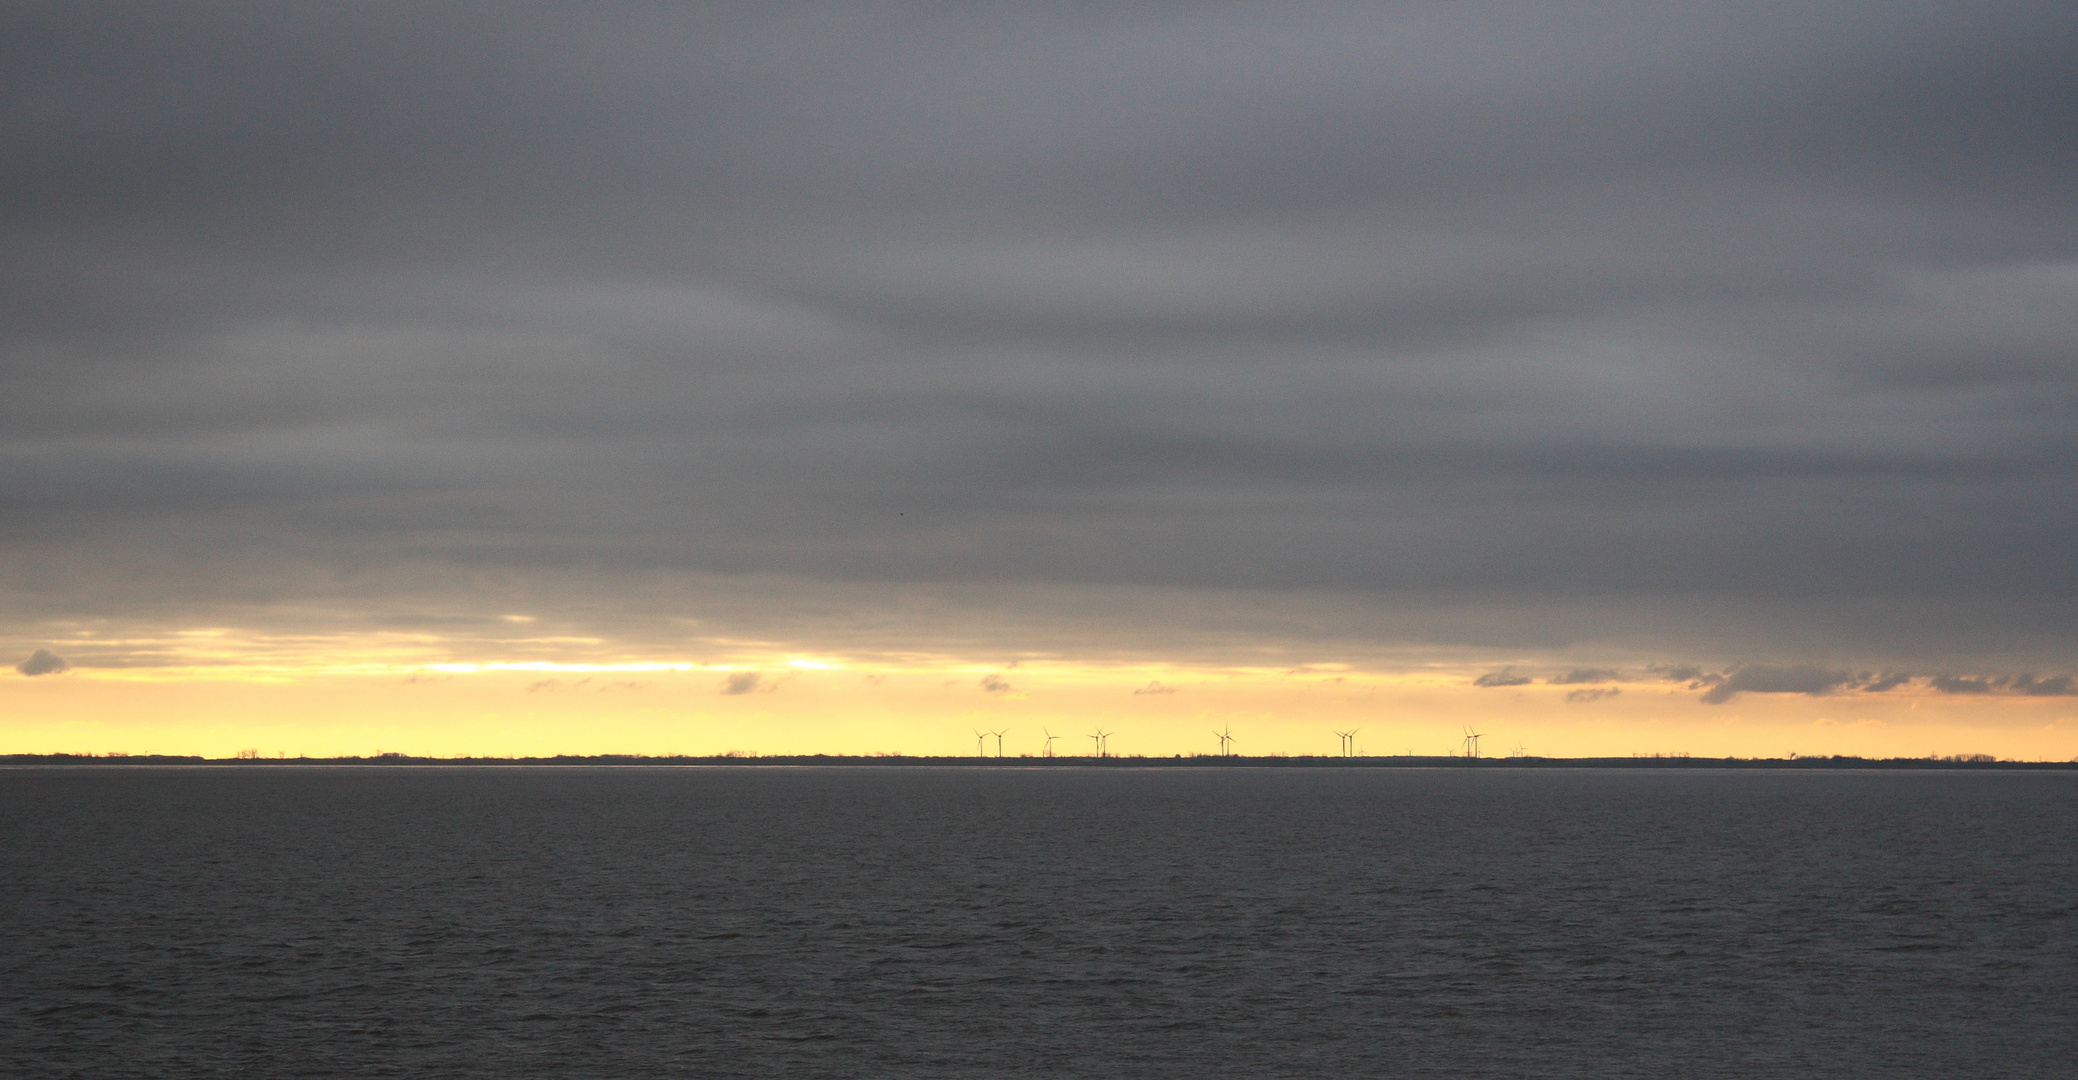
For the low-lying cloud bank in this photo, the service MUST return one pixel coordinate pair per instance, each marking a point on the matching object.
(1720, 687)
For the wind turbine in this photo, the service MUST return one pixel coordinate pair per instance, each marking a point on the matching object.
(999, 742)
(1349, 741)
(980, 745)
(1471, 743)
(1226, 741)
(1050, 737)
(1100, 736)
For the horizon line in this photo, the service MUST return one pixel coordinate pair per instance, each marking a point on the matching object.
(1215, 761)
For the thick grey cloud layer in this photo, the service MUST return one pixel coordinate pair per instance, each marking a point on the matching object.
(1668, 310)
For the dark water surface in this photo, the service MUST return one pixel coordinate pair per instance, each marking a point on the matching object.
(993, 922)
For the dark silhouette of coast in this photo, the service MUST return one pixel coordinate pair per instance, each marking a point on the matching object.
(1973, 763)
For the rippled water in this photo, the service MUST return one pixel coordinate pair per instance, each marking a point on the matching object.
(983, 922)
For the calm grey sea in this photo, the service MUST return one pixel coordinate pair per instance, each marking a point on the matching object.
(422, 922)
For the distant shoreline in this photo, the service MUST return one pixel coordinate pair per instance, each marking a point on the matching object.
(401, 761)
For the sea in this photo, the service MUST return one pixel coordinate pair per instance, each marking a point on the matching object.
(1005, 922)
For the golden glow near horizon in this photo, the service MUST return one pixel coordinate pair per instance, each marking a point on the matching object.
(216, 692)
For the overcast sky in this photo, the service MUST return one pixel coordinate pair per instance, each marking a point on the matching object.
(1746, 331)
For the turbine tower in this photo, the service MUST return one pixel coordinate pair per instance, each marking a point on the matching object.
(1226, 741)
(1050, 737)
(1471, 743)
(999, 741)
(980, 744)
(1099, 738)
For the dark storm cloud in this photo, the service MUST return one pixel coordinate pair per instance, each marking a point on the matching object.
(43, 662)
(1747, 302)
(1960, 684)
(2026, 685)
(1761, 679)
(2053, 686)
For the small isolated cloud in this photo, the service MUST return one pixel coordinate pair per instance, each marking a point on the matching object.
(994, 684)
(545, 684)
(1155, 687)
(43, 662)
(1582, 697)
(1501, 678)
(743, 682)
(1584, 675)
(1758, 679)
